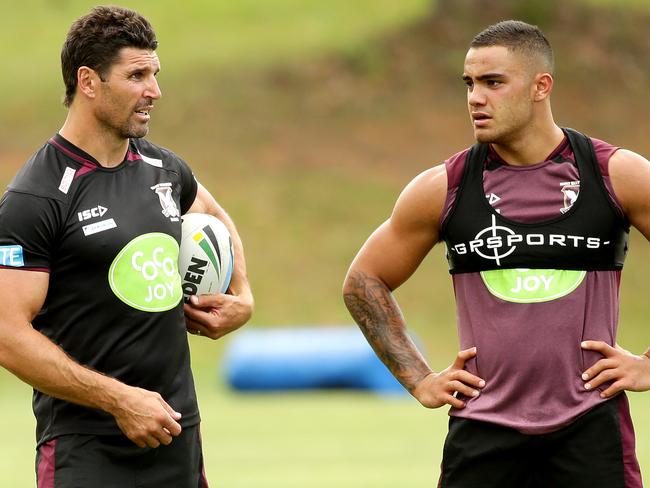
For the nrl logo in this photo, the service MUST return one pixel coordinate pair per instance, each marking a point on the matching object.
(169, 208)
(570, 190)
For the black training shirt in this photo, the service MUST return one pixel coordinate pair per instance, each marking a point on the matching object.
(108, 237)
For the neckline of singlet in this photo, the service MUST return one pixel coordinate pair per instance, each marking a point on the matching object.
(494, 161)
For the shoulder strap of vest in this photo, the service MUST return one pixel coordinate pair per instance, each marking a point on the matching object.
(473, 167)
(476, 158)
(583, 150)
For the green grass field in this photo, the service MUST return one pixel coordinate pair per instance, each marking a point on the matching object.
(301, 225)
(296, 440)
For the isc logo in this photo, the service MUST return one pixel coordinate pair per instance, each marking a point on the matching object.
(91, 213)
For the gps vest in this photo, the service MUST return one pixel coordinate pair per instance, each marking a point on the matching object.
(590, 236)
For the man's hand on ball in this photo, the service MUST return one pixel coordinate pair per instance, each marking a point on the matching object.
(214, 316)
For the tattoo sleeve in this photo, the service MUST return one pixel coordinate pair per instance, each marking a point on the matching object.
(374, 309)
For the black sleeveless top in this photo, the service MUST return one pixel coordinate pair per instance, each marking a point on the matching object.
(590, 236)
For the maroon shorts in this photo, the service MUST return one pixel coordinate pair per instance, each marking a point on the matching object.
(596, 450)
(113, 461)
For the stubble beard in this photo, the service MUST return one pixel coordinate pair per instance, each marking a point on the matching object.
(133, 131)
(483, 138)
(491, 137)
(124, 130)
(502, 134)
(113, 122)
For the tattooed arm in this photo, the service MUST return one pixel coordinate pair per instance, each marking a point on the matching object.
(373, 307)
(406, 237)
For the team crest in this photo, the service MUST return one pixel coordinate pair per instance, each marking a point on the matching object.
(169, 208)
(570, 190)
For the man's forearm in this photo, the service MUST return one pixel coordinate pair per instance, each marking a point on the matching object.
(42, 364)
(374, 309)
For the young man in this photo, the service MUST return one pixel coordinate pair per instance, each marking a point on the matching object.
(535, 221)
(90, 220)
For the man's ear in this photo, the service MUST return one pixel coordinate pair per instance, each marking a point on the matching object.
(88, 81)
(543, 86)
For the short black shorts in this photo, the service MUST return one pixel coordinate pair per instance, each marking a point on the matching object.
(91, 461)
(596, 451)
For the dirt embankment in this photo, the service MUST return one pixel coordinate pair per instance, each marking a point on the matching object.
(398, 104)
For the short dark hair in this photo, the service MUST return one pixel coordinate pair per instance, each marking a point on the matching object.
(96, 39)
(517, 36)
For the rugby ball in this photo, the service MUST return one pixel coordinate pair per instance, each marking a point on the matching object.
(206, 257)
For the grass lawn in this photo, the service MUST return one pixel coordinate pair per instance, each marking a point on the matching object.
(316, 440)
(303, 440)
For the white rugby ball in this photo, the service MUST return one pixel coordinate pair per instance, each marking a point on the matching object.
(206, 257)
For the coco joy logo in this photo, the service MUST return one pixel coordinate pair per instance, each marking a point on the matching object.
(522, 285)
(144, 274)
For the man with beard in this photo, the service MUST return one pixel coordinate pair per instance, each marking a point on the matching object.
(88, 225)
